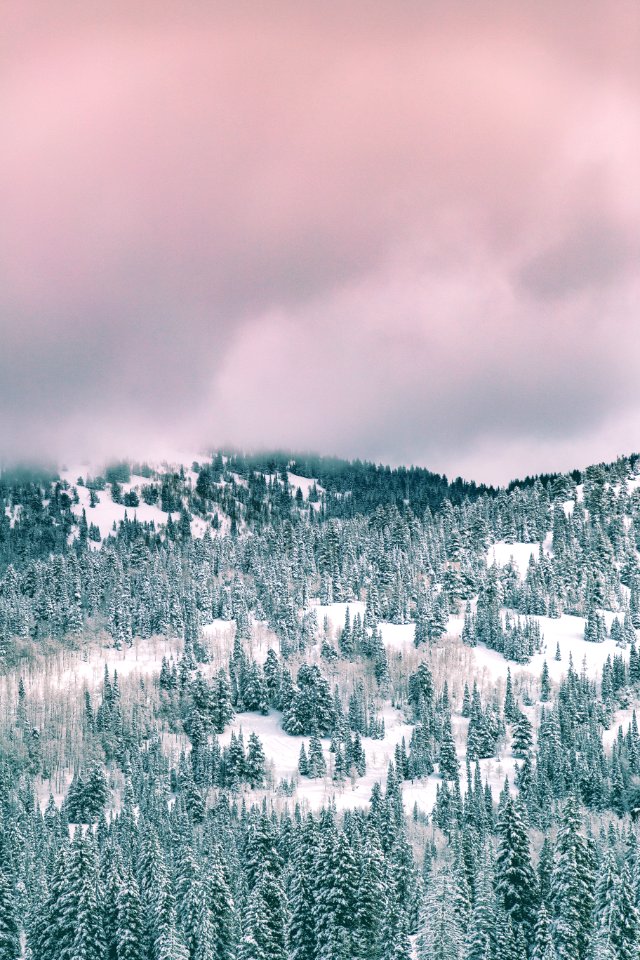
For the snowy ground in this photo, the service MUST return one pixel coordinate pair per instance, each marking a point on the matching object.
(107, 515)
(567, 631)
(283, 752)
(305, 484)
(489, 668)
(72, 672)
(502, 552)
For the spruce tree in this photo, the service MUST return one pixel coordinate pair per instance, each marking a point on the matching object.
(515, 876)
(9, 929)
(522, 740)
(449, 766)
(545, 684)
(572, 889)
(479, 933)
(129, 936)
(88, 933)
(255, 762)
(441, 936)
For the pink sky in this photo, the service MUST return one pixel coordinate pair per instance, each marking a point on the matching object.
(403, 231)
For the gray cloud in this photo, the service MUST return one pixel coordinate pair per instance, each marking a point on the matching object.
(593, 254)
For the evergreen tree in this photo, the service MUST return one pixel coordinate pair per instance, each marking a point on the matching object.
(317, 766)
(88, 933)
(480, 930)
(522, 735)
(449, 765)
(515, 876)
(572, 889)
(441, 936)
(255, 762)
(129, 936)
(9, 929)
(510, 710)
(545, 685)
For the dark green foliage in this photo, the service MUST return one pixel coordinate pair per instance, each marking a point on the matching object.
(448, 764)
(87, 795)
(311, 708)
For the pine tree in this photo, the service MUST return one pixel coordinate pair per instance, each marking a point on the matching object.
(371, 899)
(264, 935)
(303, 763)
(337, 884)
(606, 909)
(317, 766)
(627, 930)
(129, 935)
(88, 933)
(9, 929)
(510, 709)
(255, 762)
(522, 740)
(571, 889)
(515, 876)
(302, 922)
(339, 769)
(542, 946)
(52, 933)
(167, 942)
(545, 684)
(449, 765)
(222, 909)
(441, 936)
(222, 709)
(479, 934)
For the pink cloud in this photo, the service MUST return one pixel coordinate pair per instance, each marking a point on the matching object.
(433, 188)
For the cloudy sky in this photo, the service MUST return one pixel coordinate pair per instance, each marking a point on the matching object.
(404, 231)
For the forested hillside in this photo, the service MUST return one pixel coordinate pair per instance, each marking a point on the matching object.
(272, 707)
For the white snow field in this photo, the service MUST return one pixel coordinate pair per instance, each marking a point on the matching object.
(77, 671)
(107, 515)
(305, 483)
(501, 553)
